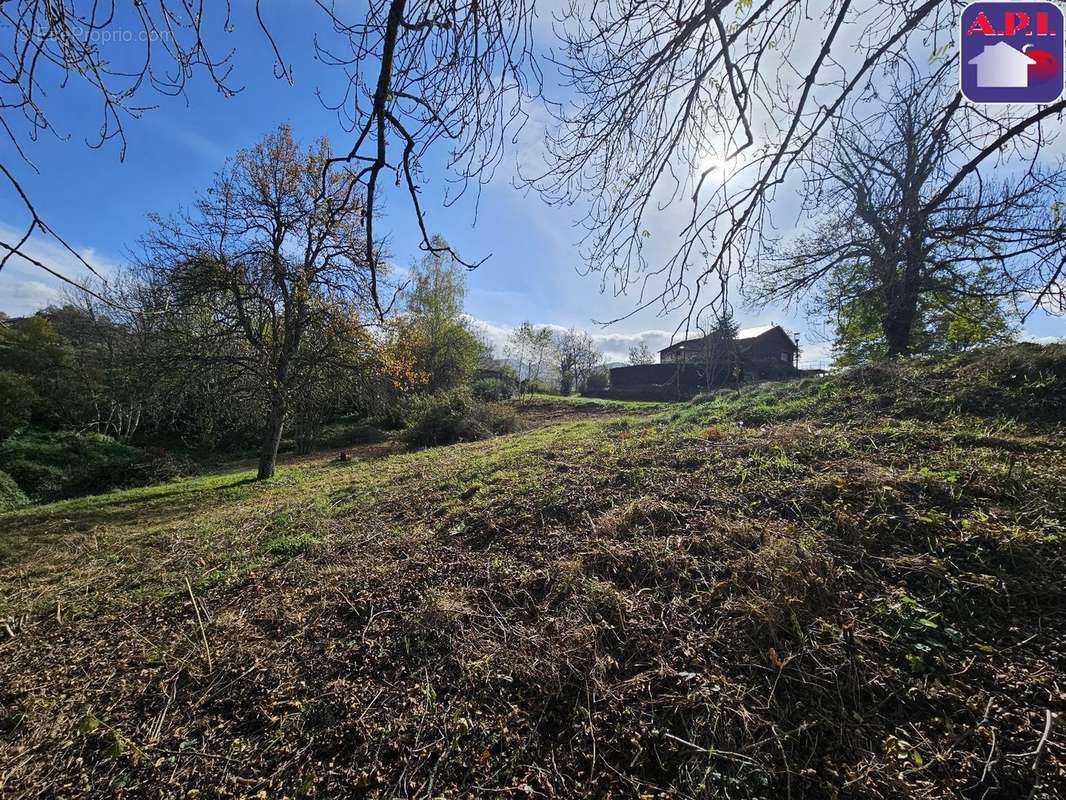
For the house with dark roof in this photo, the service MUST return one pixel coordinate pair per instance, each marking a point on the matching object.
(764, 346)
(686, 368)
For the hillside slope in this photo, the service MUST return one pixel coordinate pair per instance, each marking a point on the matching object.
(845, 587)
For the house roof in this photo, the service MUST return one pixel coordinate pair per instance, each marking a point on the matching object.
(755, 333)
(744, 334)
(1001, 53)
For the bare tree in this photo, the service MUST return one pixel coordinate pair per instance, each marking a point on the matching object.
(54, 45)
(418, 72)
(266, 265)
(578, 359)
(897, 193)
(641, 354)
(531, 349)
(714, 105)
(422, 71)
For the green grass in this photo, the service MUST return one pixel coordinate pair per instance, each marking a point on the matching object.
(820, 588)
(290, 545)
(226, 513)
(594, 402)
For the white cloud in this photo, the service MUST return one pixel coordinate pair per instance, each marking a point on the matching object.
(1026, 336)
(816, 356)
(614, 346)
(25, 288)
(29, 295)
(495, 335)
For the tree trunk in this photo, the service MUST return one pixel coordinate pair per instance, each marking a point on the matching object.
(900, 293)
(268, 456)
(898, 323)
(566, 384)
(901, 297)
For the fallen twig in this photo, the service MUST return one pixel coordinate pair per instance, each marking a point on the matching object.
(1039, 752)
(200, 621)
(711, 751)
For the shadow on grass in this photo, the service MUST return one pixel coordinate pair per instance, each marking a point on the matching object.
(140, 509)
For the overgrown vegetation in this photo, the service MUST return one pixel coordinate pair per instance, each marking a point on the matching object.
(456, 416)
(11, 496)
(229, 336)
(1017, 382)
(851, 587)
(246, 321)
(55, 465)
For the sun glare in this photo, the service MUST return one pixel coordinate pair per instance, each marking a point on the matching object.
(718, 166)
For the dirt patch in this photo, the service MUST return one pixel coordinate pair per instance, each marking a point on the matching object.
(546, 412)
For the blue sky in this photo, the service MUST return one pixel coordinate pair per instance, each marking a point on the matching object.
(99, 204)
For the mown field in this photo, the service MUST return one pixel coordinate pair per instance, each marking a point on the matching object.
(844, 587)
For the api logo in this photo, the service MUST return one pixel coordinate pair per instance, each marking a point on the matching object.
(1012, 52)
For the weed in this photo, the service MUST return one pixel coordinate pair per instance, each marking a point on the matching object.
(289, 545)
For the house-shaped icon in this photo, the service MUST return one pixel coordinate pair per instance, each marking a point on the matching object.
(1000, 66)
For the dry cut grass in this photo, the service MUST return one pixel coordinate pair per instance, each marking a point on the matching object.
(807, 591)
